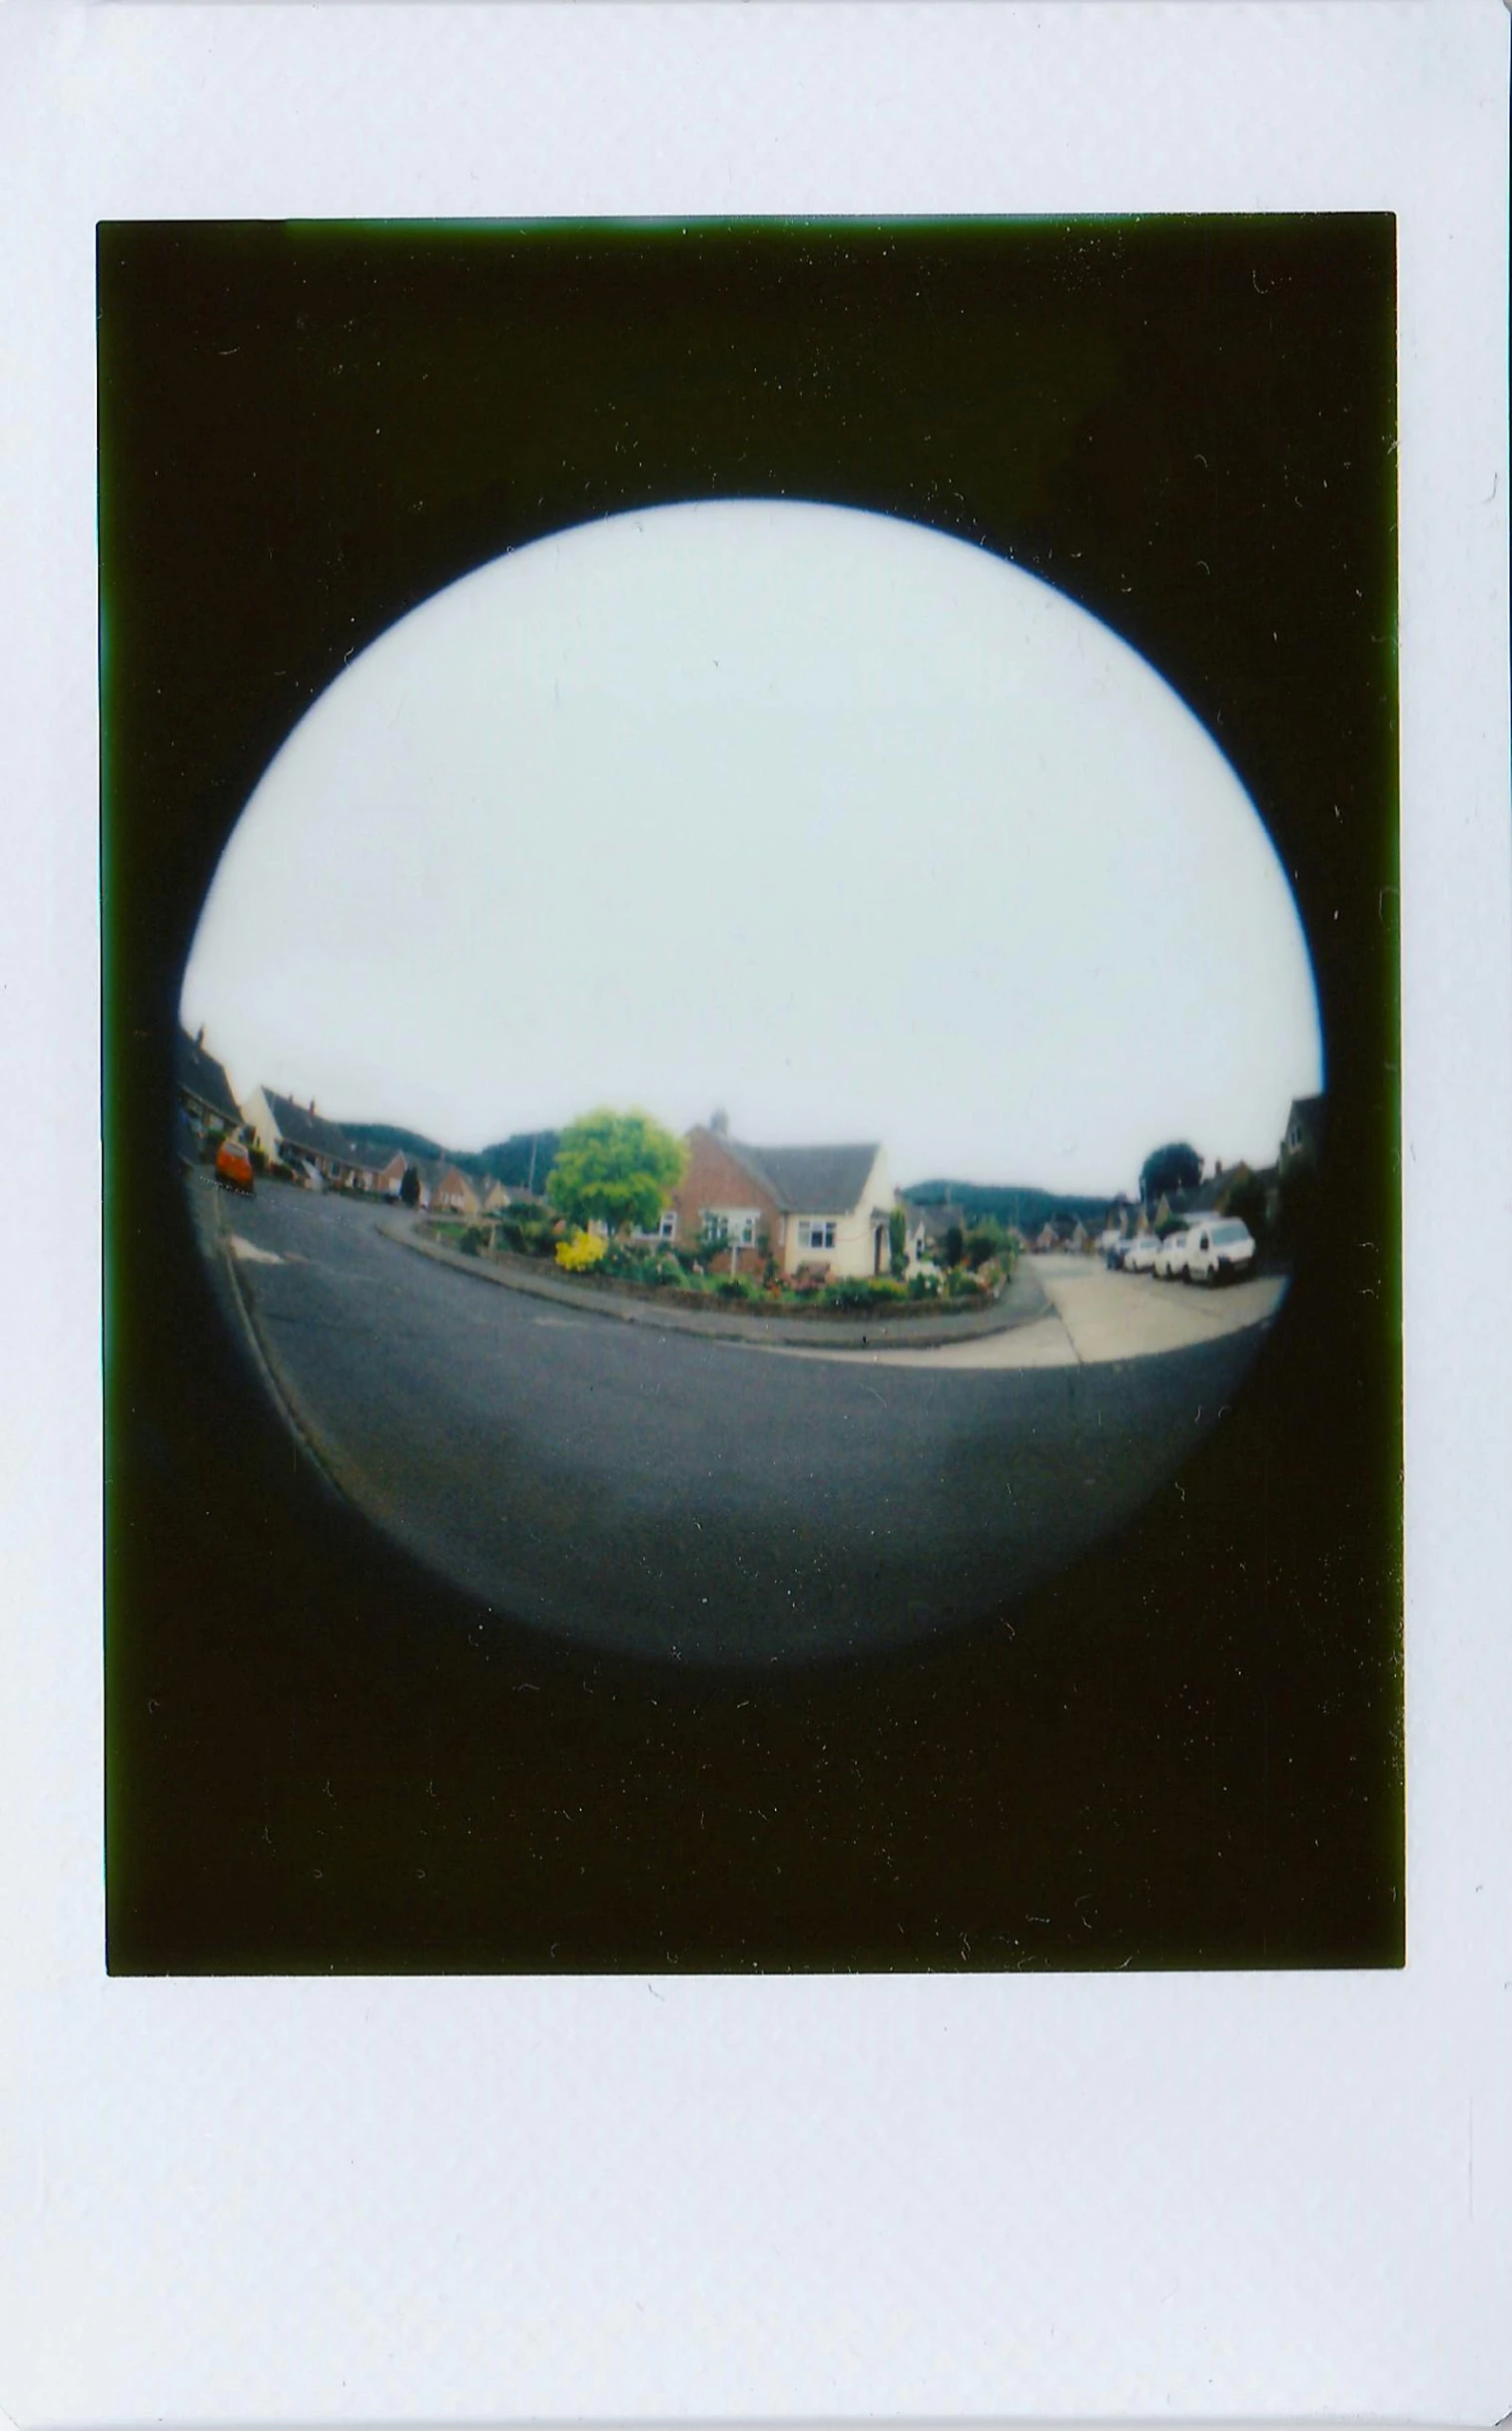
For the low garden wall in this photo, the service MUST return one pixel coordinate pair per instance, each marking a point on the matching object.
(922, 1324)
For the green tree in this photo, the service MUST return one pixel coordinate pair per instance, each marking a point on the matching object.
(1176, 1167)
(986, 1239)
(897, 1239)
(616, 1169)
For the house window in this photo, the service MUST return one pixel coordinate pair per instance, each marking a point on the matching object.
(816, 1232)
(666, 1229)
(734, 1224)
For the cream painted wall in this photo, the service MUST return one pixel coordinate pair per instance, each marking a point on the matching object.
(853, 1252)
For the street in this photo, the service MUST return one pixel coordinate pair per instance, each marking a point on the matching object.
(705, 1499)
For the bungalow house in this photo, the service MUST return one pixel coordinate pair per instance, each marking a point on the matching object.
(445, 1190)
(287, 1132)
(827, 1207)
(389, 1176)
(205, 1094)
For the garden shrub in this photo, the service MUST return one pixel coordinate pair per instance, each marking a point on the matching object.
(852, 1291)
(924, 1286)
(738, 1288)
(961, 1283)
(530, 1235)
(581, 1252)
(897, 1237)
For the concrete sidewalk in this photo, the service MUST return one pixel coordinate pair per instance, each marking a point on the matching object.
(1093, 1319)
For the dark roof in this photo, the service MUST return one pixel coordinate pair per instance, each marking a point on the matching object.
(1308, 1114)
(808, 1180)
(200, 1075)
(301, 1129)
(937, 1215)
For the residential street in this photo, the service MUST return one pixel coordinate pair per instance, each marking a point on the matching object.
(674, 1495)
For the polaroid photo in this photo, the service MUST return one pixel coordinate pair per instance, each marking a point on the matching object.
(802, 908)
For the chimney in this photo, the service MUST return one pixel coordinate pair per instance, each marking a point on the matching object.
(200, 1036)
(719, 1123)
(312, 1106)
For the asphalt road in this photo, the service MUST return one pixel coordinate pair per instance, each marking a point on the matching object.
(703, 1499)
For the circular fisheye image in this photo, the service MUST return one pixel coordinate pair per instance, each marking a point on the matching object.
(751, 1071)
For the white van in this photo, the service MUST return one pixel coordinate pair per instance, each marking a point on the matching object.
(1171, 1258)
(1220, 1251)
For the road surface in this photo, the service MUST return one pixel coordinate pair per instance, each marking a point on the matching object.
(708, 1499)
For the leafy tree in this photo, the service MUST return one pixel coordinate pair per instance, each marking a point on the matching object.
(897, 1239)
(1176, 1167)
(955, 1245)
(615, 1169)
(985, 1240)
(409, 1188)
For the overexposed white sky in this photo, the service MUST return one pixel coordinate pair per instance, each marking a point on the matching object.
(842, 825)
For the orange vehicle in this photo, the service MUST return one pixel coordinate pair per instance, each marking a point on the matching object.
(234, 1168)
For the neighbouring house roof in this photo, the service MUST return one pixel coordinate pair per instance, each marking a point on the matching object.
(808, 1180)
(1205, 1196)
(198, 1075)
(301, 1129)
(937, 1215)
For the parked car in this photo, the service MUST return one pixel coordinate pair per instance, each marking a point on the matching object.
(1170, 1259)
(1220, 1251)
(234, 1168)
(1139, 1254)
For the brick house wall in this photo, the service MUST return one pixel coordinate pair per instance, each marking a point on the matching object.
(715, 1178)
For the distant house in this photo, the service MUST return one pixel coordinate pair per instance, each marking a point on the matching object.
(1304, 1141)
(1213, 1196)
(389, 1176)
(289, 1132)
(929, 1223)
(933, 1223)
(824, 1208)
(205, 1094)
(445, 1190)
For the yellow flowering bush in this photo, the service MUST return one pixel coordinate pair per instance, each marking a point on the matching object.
(580, 1250)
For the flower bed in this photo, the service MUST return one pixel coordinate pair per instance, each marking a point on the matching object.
(648, 1272)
